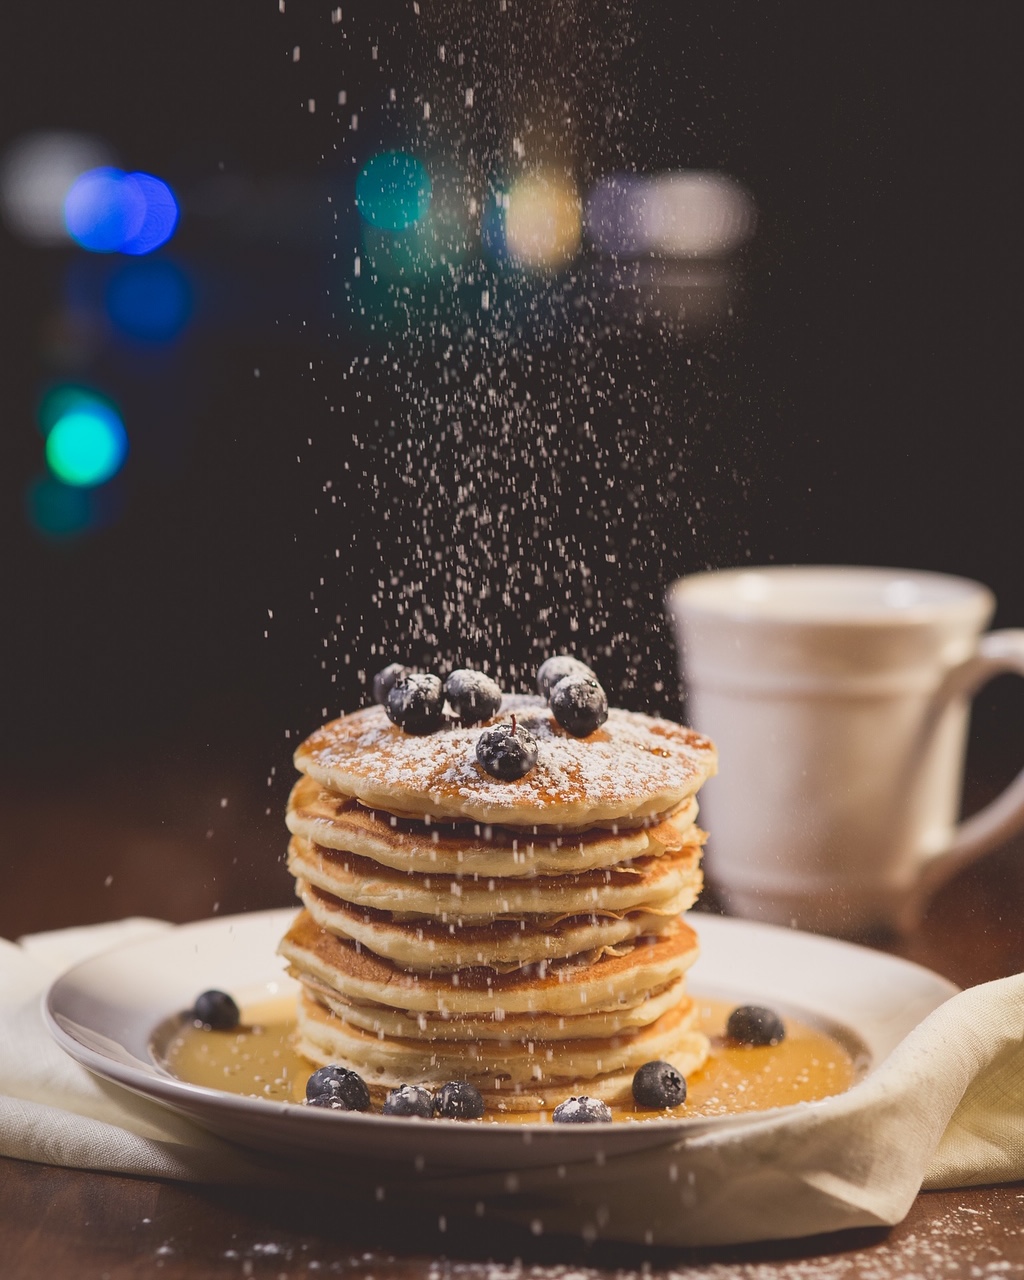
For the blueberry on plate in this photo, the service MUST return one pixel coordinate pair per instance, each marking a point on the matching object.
(557, 668)
(657, 1085)
(384, 681)
(409, 1100)
(507, 751)
(579, 704)
(472, 695)
(346, 1088)
(458, 1100)
(754, 1024)
(581, 1111)
(216, 1011)
(329, 1101)
(416, 703)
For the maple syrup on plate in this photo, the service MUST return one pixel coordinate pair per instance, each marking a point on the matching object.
(258, 1060)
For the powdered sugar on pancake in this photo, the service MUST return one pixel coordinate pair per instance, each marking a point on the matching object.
(633, 767)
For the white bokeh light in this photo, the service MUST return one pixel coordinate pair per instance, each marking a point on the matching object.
(679, 214)
(36, 174)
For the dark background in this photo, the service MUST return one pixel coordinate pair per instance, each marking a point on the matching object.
(861, 404)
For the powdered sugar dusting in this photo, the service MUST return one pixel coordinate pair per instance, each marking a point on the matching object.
(941, 1240)
(634, 765)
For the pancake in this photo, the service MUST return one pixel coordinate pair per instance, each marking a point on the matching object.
(644, 883)
(514, 1077)
(499, 1025)
(632, 769)
(430, 945)
(342, 822)
(566, 987)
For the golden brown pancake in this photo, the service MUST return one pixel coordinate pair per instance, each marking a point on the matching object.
(342, 822)
(586, 982)
(499, 1025)
(512, 1077)
(430, 945)
(632, 769)
(643, 883)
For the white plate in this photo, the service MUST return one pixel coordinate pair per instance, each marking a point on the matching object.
(104, 1012)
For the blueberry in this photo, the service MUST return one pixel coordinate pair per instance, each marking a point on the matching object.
(416, 703)
(472, 695)
(346, 1087)
(216, 1011)
(555, 669)
(753, 1024)
(409, 1100)
(459, 1100)
(331, 1101)
(507, 751)
(657, 1085)
(581, 1111)
(579, 704)
(384, 681)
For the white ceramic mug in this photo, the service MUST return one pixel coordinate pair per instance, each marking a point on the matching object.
(838, 699)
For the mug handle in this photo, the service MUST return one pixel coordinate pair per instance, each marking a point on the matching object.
(998, 653)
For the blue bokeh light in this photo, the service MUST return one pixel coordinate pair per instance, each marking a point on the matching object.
(109, 211)
(150, 301)
(393, 191)
(160, 219)
(103, 209)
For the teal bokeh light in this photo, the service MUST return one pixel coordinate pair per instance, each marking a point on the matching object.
(393, 191)
(63, 398)
(87, 445)
(57, 510)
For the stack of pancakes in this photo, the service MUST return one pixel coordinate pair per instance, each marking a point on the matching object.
(522, 935)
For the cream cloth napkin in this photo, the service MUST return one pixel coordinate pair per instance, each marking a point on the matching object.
(945, 1109)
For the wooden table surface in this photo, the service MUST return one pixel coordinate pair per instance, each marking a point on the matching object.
(144, 839)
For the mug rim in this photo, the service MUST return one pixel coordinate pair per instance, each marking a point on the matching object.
(916, 597)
